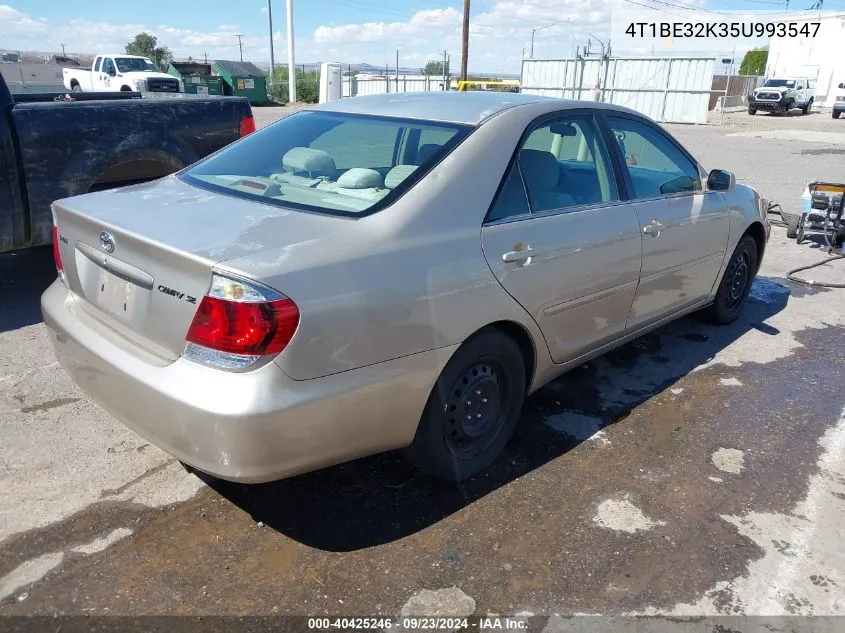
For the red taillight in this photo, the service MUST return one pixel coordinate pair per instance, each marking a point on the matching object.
(249, 329)
(247, 125)
(57, 254)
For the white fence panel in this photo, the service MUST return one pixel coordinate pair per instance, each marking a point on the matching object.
(669, 89)
(376, 85)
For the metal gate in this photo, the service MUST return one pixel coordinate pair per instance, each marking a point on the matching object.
(667, 89)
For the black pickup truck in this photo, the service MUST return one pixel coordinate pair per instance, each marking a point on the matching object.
(52, 148)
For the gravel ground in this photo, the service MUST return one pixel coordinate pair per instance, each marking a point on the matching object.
(696, 471)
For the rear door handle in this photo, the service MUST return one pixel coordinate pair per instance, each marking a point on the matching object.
(518, 256)
(653, 228)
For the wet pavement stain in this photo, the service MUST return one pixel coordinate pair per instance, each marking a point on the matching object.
(372, 533)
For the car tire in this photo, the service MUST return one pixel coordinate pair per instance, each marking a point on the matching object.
(735, 284)
(806, 108)
(76, 88)
(472, 410)
(752, 111)
(835, 114)
(792, 226)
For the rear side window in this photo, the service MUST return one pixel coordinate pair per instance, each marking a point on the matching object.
(562, 163)
(329, 162)
(97, 63)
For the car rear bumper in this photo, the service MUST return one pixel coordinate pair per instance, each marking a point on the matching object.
(248, 427)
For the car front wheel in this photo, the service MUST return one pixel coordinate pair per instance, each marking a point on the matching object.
(735, 285)
(472, 410)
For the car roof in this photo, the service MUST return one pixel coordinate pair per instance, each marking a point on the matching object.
(121, 55)
(468, 108)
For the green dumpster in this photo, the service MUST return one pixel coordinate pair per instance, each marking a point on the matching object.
(197, 77)
(243, 79)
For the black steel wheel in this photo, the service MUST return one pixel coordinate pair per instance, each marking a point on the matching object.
(472, 410)
(735, 284)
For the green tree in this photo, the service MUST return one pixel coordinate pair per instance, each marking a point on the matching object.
(434, 68)
(146, 45)
(307, 85)
(754, 62)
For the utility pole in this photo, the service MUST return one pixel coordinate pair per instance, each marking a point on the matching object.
(205, 55)
(465, 42)
(444, 70)
(240, 44)
(272, 58)
(291, 61)
(397, 70)
(63, 50)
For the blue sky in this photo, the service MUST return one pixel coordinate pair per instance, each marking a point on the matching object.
(351, 31)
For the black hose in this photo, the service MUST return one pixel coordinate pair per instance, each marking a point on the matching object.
(823, 284)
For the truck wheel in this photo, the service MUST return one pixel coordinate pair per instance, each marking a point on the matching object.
(835, 114)
(806, 108)
(472, 410)
(76, 88)
(125, 89)
(752, 111)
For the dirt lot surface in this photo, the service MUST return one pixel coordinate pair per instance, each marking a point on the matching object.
(696, 471)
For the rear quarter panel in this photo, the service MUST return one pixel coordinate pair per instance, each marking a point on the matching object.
(66, 147)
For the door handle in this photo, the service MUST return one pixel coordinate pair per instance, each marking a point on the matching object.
(518, 256)
(653, 228)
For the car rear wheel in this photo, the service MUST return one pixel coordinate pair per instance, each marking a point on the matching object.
(472, 410)
(76, 88)
(735, 285)
(836, 114)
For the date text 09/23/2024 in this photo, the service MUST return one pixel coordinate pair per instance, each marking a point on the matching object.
(418, 623)
(722, 29)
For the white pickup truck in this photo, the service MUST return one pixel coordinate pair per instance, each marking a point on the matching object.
(780, 95)
(120, 72)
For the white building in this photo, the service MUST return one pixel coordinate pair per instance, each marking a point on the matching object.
(821, 57)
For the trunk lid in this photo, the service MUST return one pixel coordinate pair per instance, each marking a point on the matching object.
(140, 258)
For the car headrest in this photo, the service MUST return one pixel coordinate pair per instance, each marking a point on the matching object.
(314, 161)
(396, 175)
(360, 178)
(425, 152)
(540, 169)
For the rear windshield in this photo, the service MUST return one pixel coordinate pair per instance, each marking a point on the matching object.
(328, 162)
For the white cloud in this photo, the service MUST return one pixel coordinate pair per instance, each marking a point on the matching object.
(19, 31)
(500, 32)
(13, 22)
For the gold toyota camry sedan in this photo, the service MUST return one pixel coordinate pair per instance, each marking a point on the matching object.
(388, 272)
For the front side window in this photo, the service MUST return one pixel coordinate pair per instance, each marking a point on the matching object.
(654, 162)
(108, 65)
(562, 163)
(328, 162)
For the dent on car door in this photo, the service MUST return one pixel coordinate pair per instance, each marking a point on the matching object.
(685, 228)
(560, 240)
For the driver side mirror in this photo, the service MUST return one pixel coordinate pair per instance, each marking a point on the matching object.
(720, 180)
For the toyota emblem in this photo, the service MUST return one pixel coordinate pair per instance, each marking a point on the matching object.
(107, 242)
